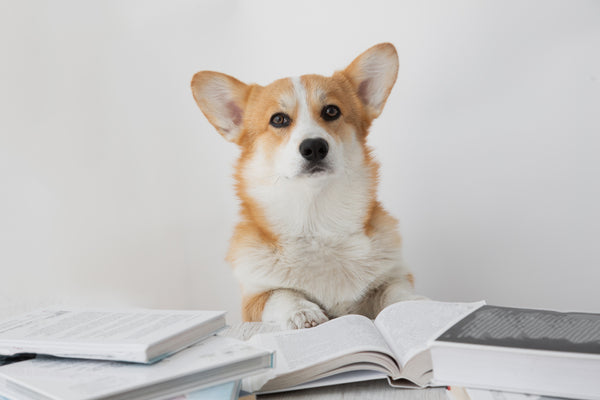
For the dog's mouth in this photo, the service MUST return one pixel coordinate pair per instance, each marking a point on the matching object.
(319, 168)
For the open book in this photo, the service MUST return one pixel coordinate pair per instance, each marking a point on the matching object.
(135, 335)
(211, 362)
(353, 348)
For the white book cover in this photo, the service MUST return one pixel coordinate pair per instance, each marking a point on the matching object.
(135, 335)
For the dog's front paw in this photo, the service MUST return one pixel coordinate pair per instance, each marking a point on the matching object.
(307, 316)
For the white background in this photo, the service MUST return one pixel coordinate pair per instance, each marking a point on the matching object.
(115, 189)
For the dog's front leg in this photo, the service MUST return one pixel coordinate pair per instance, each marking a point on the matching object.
(287, 307)
(397, 290)
(394, 290)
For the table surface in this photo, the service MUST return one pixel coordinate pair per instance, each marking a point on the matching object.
(375, 390)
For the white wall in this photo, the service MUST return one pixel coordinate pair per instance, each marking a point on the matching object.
(114, 188)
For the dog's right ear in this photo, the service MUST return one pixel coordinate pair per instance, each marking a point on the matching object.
(222, 99)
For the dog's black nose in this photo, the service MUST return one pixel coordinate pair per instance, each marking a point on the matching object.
(314, 149)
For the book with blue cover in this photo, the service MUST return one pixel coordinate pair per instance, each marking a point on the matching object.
(211, 362)
(225, 391)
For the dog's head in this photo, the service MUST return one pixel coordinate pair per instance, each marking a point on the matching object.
(300, 126)
(301, 134)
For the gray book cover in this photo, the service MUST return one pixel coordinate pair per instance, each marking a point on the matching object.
(528, 329)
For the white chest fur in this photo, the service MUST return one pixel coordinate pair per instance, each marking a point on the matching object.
(335, 271)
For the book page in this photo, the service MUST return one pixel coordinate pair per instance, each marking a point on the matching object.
(101, 326)
(303, 348)
(410, 326)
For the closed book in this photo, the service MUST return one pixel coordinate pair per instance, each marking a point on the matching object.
(211, 362)
(133, 335)
(521, 350)
(224, 391)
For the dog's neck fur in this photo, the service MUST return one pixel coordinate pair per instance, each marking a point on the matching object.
(328, 207)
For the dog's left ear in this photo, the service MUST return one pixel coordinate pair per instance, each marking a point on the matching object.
(373, 75)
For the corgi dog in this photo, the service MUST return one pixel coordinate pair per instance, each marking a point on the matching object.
(313, 242)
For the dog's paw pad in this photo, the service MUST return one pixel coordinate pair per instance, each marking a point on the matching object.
(306, 318)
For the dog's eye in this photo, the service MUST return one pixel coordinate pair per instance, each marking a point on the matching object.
(330, 112)
(280, 120)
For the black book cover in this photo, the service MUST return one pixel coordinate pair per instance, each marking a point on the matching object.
(528, 329)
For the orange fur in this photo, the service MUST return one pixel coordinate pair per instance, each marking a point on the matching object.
(411, 278)
(381, 221)
(252, 306)
(256, 131)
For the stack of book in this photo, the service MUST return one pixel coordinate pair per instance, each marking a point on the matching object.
(428, 343)
(483, 352)
(68, 353)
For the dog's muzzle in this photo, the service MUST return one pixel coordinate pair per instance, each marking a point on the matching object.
(314, 151)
